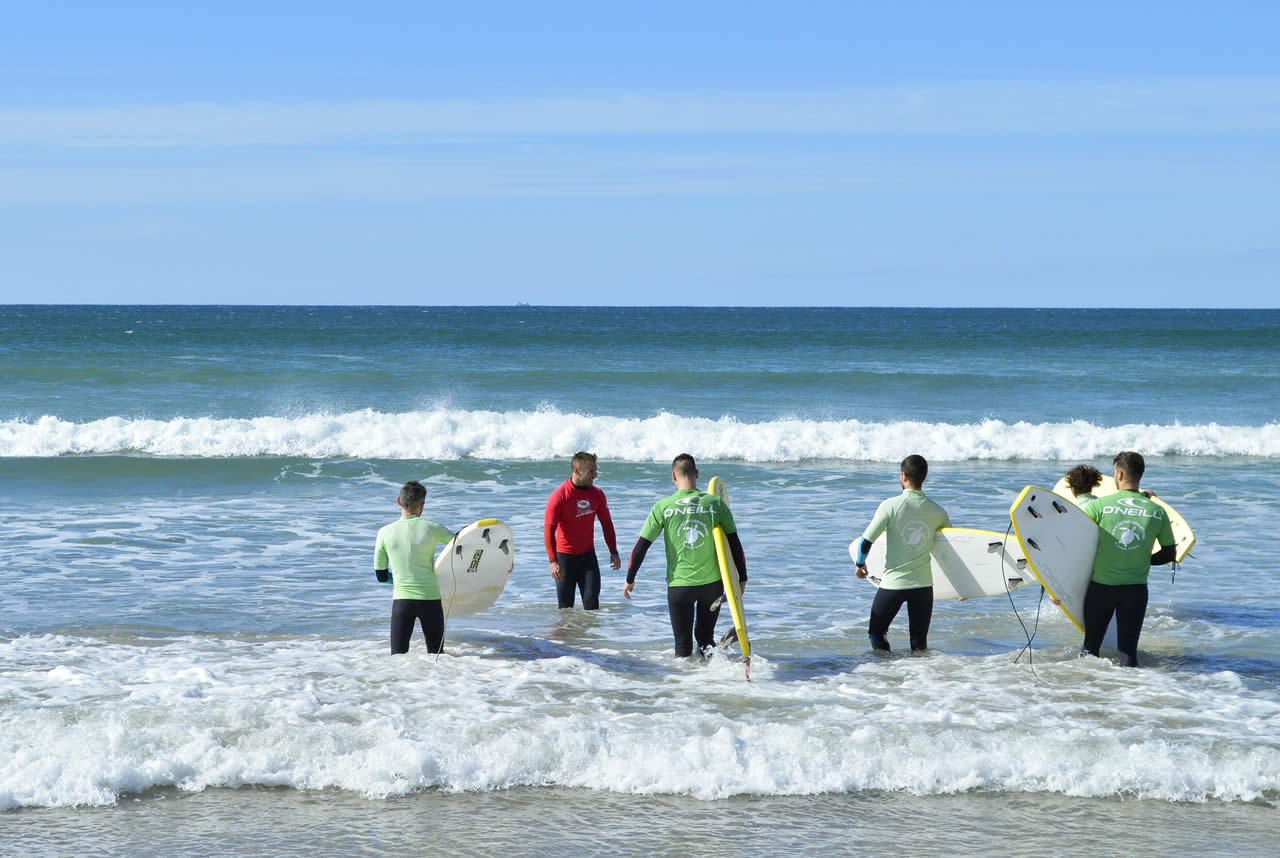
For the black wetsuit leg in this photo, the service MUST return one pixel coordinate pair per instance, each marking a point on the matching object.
(405, 612)
(1099, 605)
(691, 616)
(919, 615)
(579, 572)
(884, 608)
(1131, 610)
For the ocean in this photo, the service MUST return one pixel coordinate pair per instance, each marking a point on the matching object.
(193, 648)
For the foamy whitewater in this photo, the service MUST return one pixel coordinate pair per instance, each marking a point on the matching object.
(193, 645)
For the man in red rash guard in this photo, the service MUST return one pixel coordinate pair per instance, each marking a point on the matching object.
(569, 531)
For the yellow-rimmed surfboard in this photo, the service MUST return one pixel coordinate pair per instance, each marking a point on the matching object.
(474, 567)
(729, 575)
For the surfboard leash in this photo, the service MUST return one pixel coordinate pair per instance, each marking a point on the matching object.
(1030, 636)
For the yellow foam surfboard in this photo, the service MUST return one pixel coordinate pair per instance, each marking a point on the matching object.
(729, 572)
(1183, 537)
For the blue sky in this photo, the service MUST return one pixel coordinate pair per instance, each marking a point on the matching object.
(963, 154)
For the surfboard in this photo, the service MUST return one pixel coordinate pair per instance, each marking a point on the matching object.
(966, 563)
(729, 575)
(474, 567)
(1059, 542)
(1183, 536)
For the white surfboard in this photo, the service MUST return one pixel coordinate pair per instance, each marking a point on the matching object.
(966, 563)
(474, 567)
(1059, 542)
(1183, 536)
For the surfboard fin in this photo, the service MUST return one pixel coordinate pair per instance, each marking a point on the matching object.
(729, 637)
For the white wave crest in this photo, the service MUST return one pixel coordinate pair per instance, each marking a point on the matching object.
(446, 434)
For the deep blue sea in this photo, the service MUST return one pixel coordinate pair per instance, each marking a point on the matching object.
(193, 646)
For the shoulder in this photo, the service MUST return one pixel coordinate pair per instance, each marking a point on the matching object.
(560, 492)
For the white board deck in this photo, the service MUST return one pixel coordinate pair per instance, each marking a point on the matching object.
(1183, 536)
(966, 563)
(474, 567)
(1059, 542)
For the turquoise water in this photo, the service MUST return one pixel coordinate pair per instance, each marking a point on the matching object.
(188, 498)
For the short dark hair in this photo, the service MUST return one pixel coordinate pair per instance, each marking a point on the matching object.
(1131, 463)
(413, 494)
(1083, 478)
(915, 468)
(582, 458)
(683, 465)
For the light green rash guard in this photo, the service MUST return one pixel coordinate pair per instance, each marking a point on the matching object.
(685, 521)
(1129, 523)
(1082, 501)
(909, 522)
(408, 548)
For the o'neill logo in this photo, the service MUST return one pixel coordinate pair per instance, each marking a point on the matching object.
(1137, 507)
(584, 504)
(584, 508)
(1128, 535)
(693, 534)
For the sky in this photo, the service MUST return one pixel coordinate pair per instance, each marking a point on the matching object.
(651, 153)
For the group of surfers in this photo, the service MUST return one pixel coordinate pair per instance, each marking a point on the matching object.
(1129, 523)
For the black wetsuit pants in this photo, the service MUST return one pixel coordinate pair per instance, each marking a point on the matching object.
(919, 601)
(1128, 602)
(405, 612)
(579, 572)
(691, 616)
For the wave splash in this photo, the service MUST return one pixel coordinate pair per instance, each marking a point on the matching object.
(447, 434)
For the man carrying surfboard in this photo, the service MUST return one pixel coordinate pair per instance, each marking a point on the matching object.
(686, 521)
(405, 554)
(910, 522)
(568, 529)
(1129, 525)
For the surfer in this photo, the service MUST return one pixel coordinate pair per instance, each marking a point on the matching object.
(694, 587)
(568, 528)
(405, 554)
(1129, 525)
(1083, 479)
(910, 522)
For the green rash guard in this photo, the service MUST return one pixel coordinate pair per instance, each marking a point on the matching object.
(1082, 501)
(909, 521)
(1129, 523)
(408, 548)
(685, 521)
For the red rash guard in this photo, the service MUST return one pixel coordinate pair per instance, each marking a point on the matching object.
(569, 523)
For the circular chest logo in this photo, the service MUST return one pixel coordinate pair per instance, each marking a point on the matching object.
(584, 504)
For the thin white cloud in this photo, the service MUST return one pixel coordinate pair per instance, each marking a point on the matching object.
(613, 174)
(1205, 105)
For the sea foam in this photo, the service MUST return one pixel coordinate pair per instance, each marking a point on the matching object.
(445, 434)
(198, 713)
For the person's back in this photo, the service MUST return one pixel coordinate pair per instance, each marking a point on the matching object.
(695, 589)
(1129, 525)
(405, 553)
(910, 523)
